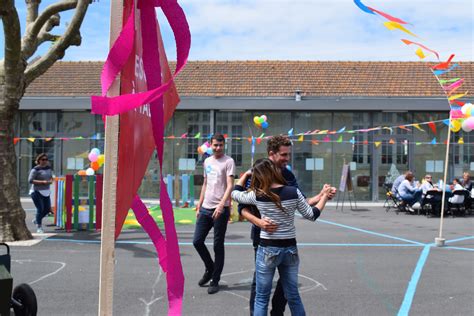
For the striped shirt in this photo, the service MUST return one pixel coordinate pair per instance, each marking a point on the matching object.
(291, 199)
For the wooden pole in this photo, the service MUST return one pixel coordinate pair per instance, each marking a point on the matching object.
(107, 249)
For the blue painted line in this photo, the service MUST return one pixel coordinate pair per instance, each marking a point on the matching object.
(410, 293)
(460, 239)
(460, 248)
(371, 232)
(144, 242)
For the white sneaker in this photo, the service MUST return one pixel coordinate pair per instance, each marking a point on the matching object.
(416, 206)
(410, 209)
(40, 230)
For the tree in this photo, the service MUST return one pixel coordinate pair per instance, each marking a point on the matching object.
(17, 72)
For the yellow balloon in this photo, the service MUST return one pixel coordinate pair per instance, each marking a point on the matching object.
(101, 159)
(456, 126)
(256, 120)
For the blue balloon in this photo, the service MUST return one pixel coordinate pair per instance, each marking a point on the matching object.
(209, 151)
(264, 124)
(95, 151)
(288, 167)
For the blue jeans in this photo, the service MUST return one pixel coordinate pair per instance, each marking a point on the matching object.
(287, 261)
(42, 204)
(204, 224)
(412, 198)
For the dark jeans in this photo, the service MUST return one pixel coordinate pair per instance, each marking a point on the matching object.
(42, 204)
(278, 301)
(204, 224)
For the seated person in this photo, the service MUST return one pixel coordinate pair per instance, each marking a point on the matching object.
(455, 198)
(397, 183)
(428, 185)
(466, 181)
(409, 193)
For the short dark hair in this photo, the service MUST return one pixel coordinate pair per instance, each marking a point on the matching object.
(218, 137)
(275, 142)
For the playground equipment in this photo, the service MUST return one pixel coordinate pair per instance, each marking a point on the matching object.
(75, 211)
(23, 300)
(68, 202)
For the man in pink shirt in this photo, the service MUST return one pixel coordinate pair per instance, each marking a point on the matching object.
(213, 211)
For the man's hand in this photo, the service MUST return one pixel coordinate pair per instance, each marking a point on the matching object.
(267, 225)
(218, 211)
(331, 193)
(198, 207)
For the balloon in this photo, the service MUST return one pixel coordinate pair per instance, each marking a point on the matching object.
(288, 167)
(93, 157)
(95, 166)
(101, 159)
(256, 120)
(90, 172)
(81, 172)
(465, 126)
(261, 120)
(456, 114)
(470, 122)
(209, 151)
(264, 117)
(95, 151)
(455, 125)
(265, 124)
(200, 150)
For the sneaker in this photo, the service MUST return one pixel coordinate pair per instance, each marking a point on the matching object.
(206, 277)
(40, 230)
(410, 209)
(213, 288)
(416, 206)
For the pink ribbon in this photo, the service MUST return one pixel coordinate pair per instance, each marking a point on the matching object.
(168, 249)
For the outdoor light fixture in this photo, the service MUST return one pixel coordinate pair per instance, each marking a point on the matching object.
(298, 95)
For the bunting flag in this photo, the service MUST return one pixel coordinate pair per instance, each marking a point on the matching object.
(433, 142)
(184, 135)
(326, 139)
(461, 140)
(15, 140)
(315, 142)
(394, 25)
(443, 65)
(198, 135)
(290, 132)
(432, 126)
(31, 139)
(408, 42)
(339, 140)
(341, 130)
(443, 81)
(442, 72)
(301, 138)
(417, 126)
(457, 96)
(391, 141)
(377, 144)
(419, 53)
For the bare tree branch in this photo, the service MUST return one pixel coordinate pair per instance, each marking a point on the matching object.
(12, 65)
(31, 11)
(29, 44)
(70, 37)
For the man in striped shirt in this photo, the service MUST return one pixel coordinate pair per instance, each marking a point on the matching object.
(279, 151)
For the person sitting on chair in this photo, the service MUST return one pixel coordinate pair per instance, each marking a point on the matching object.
(428, 185)
(456, 198)
(466, 181)
(397, 183)
(409, 193)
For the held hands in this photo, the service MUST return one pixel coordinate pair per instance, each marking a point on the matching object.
(328, 191)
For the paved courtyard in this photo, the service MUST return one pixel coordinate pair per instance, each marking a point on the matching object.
(364, 262)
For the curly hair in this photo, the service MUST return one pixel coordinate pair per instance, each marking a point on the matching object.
(275, 142)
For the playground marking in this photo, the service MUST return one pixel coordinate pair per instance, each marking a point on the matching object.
(37, 238)
(410, 292)
(63, 264)
(371, 232)
(153, 300)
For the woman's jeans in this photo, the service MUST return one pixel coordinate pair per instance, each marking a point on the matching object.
(204, 224)
(42, 204)
(412, 198)
(287, 261)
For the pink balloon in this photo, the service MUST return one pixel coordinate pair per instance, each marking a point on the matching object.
(456, 114)
(470, 122)
(93, 157)
(466, 127)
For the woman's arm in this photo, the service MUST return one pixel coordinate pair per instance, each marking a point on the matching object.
(308, 212)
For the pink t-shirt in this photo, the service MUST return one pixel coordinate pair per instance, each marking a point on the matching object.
(216, 172)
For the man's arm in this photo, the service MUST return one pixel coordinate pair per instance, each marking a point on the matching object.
(264, 223)
(225, 198)
(201, 196)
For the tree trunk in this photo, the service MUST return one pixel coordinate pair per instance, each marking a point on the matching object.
(12, 215)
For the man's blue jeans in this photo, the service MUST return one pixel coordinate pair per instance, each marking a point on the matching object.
(287, 261)
(204, 224)
(42, 204)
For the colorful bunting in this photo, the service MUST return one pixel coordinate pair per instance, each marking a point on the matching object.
(461, 140)
(394, 25)
(391, 141)
(31, 139)
(197, 135)
(339, 140)
(432, 126)
(290, 132)
(408, 42)
(433, 142)
(377, 144)
(301, 138)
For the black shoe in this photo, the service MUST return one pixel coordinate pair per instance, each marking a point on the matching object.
(213, 288)
(206, 277)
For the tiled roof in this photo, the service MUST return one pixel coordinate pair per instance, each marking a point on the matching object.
(270, 79)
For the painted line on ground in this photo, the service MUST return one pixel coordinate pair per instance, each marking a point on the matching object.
(411, 289)
(303, 244)
(371, 232)
(459, 239)
(460, 248)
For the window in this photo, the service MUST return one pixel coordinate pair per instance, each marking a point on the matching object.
(230, 124)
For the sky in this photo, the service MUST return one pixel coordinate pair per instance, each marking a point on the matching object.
(296, 30)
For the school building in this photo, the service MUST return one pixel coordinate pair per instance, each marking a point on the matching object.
(380, 117)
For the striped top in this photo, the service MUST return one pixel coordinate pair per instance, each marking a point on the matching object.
(292, 200)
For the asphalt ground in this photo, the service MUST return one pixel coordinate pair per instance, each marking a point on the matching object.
(365, 262)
